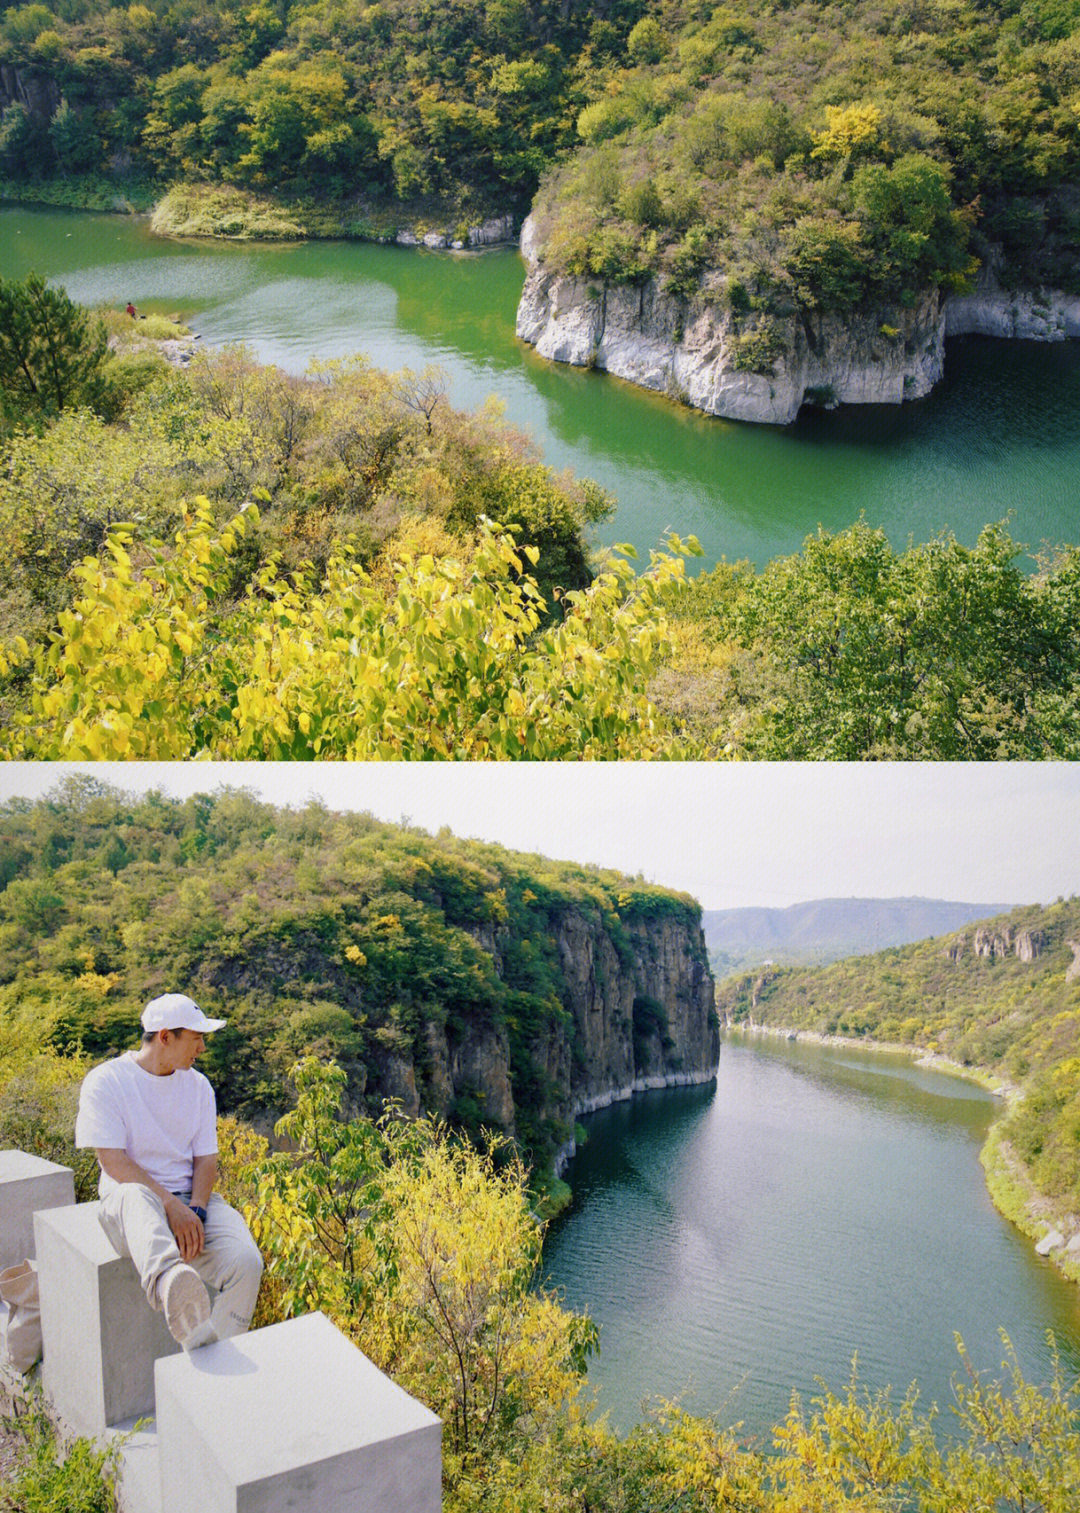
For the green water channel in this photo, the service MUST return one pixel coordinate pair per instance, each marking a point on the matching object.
(736, 1243)
(999, 437)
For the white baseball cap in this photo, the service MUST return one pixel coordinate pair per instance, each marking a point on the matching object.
(175, 1011)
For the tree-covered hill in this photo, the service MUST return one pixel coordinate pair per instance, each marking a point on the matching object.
(461, 102)
(1003, 996)
(451, 974)
(827, 155)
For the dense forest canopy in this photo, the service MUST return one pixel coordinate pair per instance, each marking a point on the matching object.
(309, 930)
(1002, 996)
(463, 101)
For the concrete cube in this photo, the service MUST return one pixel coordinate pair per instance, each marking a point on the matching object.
(28, 1183)
(292, 1417)
(100, 1337)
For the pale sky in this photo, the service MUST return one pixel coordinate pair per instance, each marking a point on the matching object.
(730, 834)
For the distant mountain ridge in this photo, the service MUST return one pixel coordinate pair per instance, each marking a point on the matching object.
(827, 929)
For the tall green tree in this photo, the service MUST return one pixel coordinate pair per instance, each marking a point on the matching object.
(51, 351)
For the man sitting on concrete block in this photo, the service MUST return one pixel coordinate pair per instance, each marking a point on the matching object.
(151, 1119)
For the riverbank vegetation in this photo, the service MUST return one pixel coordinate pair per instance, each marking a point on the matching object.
(223, 559)
(1003, 997)
(369, 604)
(824, 156)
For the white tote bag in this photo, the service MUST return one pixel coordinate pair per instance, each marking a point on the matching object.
(22, 1337)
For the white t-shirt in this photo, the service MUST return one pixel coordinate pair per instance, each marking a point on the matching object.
(161, 1122)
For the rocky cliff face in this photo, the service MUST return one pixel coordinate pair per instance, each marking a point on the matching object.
(995, 944)
(37, 93)
(636, 1013)
(701, 353)
(490, 233)
(1024, 314)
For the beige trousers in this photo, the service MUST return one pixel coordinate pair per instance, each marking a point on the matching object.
(134, 1219)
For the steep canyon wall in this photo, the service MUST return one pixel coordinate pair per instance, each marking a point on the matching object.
(635, 1012)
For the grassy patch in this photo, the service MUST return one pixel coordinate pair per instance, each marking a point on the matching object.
(551, 1195)
(83, 192)
(50, 1477)
(214, 210)
(1018, 1199)
(149, 327)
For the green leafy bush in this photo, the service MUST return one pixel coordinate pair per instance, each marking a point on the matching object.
(53, 1478)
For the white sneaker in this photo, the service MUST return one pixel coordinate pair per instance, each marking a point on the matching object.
(186, 1305)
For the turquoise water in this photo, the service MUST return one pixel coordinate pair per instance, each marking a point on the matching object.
(735, 1244)
(999, 437)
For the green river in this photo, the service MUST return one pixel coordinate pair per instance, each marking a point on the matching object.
(999, 437)
(738, 1242)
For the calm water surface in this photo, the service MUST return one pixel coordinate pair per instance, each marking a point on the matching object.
(1000, 435)
(734, 1245)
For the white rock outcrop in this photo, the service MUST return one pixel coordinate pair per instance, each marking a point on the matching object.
(1053, 1241)
(696, 350)
(1018, 314)
(491, 233)
(692, 350)
(499, 229)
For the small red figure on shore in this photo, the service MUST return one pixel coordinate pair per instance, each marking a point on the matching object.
(131, 309)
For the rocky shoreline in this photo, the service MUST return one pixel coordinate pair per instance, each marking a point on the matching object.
(1055, 1236)
(496, 232)
(703, 354)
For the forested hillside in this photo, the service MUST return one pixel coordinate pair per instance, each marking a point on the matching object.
(456, 102)
(493, 988)
(1003, 996)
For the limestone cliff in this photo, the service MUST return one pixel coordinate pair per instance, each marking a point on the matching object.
(38, 94)
(635, 1012)
(745, 367)
(1020, 314)
(996, 943)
